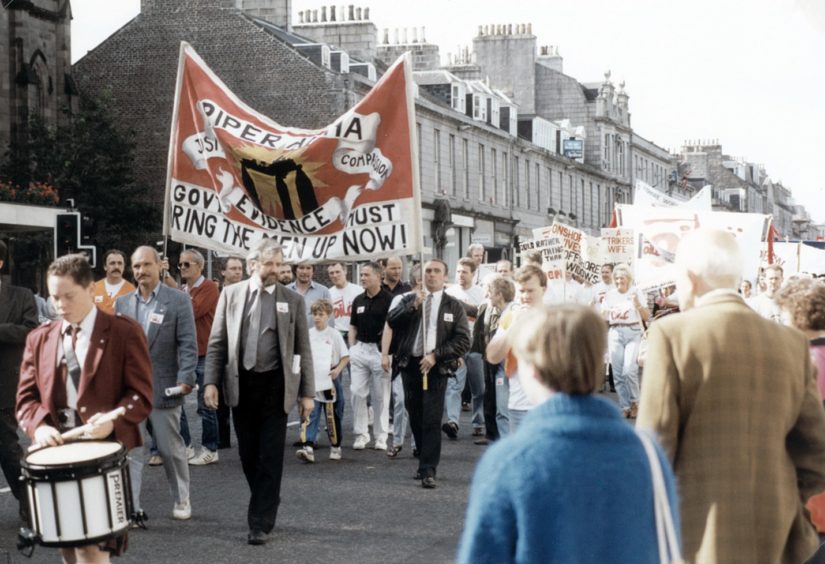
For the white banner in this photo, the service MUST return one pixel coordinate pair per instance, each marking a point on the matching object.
(659, 230)
(646, 195)
(581, 251)
(617, 245)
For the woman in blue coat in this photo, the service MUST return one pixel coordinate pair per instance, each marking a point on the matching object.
(573, 484)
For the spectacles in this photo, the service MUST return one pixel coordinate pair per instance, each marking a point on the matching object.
(185, 264)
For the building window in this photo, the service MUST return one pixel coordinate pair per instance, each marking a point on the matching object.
(494, 161)
(452, 165)
(571, 204)
(527, 184)
(538, 187)
(482, 189)
(508, 201)
(437, 159)
(560, 190)
(465, 149)
(516, 187)
(582, 206)
(606, 152)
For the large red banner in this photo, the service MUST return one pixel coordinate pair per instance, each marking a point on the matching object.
(348, 191)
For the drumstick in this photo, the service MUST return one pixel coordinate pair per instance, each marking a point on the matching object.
(79, 431)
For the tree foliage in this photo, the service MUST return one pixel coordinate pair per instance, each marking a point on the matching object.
(90, 160)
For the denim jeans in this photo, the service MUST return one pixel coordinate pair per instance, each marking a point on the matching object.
(399, 414)
(623, 346)
(474, 367)
(318, 413)
(209, 419)
(502, 401)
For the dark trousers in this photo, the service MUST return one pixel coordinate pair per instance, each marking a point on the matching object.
(223, 413)
(491, 428)
(10, 452)
(260, 425)
(425, 408)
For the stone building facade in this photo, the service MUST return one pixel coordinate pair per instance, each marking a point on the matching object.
(35, 66)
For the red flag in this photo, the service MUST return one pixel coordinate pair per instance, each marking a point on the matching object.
(348, 191)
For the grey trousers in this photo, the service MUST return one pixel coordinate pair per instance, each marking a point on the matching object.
(166, 428)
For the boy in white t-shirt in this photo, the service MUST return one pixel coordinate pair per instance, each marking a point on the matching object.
(329, 357)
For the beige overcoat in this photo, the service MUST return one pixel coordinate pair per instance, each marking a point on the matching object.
(733, 399)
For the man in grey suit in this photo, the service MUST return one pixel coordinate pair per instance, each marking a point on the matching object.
(259, 355)
(18, 316)
(169, 323)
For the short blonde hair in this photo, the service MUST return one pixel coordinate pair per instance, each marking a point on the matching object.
(565, 344)
(623, 268)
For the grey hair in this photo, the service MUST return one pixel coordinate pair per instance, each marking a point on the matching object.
(473, 247)
(713, 255)
(263, 248)
(196, 256)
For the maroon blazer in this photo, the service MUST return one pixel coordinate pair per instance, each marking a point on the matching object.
(117, 372)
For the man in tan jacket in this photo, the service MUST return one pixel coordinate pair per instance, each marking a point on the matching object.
(733, 399)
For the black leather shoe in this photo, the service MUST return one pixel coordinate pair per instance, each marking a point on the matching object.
(256, 537)
(483, 441)
(393, 451)
(415, 453)
(139, 519)
(450, 429)
(428, 482)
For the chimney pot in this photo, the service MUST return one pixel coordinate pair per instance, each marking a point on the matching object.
(332, 13)
(423, 40)
(405, 36)
(300, 17)
(509, 29)
(315, 16)
(415, 35)
(323, 13)
(351, 12)
(358, 14)
(386, 36)
(367, 13)
(480, 28)
(529, 29)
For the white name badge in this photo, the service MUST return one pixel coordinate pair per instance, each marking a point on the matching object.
(98, 299)
(360, 309)
(156, 318)
(282, 307)
(448, 317)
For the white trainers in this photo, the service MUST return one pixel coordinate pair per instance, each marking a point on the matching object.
(182, 511)
(306, 454)
(360, 443)
(190, 452)
(335, 453)
(155, 460)
(204, 457)
(380, 445)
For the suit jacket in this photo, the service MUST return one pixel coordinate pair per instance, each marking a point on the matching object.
(18, 316)
(452, 335)
(172, 343)
(733, 398)
(223, 356)
(117, 372)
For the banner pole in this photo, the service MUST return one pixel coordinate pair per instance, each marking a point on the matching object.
(173, 142)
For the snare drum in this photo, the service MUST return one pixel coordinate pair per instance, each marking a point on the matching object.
(79, 493)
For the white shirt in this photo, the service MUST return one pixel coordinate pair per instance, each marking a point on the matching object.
(81, 350)
(432, 321)
(342, 299)
(567, 292)
(599, 291)
(84, 337)
(474, 295)
(766, 307)
(620, 307)
(113, 289)
(255, 284)
(328, 348)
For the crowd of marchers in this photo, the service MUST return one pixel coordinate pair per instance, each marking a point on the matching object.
(714, 453)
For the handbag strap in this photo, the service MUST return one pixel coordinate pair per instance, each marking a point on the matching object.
(669, 550)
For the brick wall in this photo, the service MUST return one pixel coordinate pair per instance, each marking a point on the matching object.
(138, 64)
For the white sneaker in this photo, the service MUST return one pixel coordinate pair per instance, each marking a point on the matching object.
(204, 457)
(360, 443)
(335, 453)
(190, 452)
(380, 445)
(182, 511)
(306, 454)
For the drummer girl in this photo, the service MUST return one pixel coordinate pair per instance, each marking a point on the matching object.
(59, 389)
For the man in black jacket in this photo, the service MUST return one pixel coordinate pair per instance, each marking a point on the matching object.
(429, 353)
(18, 316)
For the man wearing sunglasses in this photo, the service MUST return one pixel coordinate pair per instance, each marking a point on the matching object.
(204, 294)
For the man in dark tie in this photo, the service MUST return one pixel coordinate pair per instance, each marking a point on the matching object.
(259, 355)
(18, 316)
(429, 353)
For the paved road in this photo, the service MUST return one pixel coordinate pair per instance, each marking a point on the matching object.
(364, 508)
